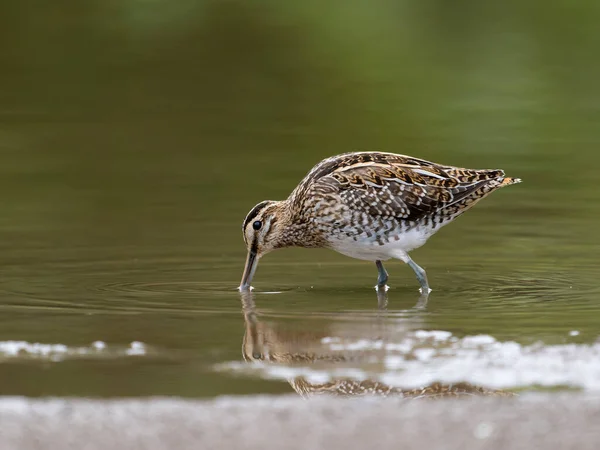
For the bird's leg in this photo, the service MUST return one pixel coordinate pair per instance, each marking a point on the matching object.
(383, 275)
(421, 275)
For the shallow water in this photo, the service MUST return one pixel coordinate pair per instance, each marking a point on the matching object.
(133, 143)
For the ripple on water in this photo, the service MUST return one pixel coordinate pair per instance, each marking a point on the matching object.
(516, 291)
(526, 284)
(166, 287)
(179, 287)
(178, 296)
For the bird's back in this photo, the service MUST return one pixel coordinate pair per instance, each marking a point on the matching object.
(391, 186)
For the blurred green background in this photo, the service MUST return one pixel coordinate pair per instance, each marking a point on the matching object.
(135, 136)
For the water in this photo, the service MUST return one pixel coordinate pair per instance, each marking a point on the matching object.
(135, 137)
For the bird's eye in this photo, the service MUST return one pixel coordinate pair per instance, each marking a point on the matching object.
(256, 225)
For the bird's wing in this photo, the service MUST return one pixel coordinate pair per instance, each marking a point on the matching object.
(396, 186)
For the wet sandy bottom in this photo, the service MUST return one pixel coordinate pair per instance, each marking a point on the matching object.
(548, 421)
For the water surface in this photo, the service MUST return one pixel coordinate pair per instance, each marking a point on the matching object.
(134, 139)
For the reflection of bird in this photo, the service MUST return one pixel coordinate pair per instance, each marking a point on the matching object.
(369, 205)
(281, 345)
(347, 387)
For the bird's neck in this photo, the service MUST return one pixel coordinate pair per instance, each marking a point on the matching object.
(293, 228)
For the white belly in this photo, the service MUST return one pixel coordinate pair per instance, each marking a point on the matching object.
(370, 250)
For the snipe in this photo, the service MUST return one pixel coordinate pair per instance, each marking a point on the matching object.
(367, 205)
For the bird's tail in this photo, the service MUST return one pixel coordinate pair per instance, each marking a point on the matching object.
(507, 181)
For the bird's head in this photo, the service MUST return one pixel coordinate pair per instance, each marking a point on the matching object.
(263, 232)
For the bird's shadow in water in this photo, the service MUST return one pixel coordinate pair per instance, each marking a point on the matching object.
(274, 341)
(381, 295)
(383, 301)
(377, 316)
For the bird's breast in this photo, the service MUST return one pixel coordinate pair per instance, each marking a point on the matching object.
(371, 245)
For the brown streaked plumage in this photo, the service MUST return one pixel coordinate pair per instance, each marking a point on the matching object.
(367, 205)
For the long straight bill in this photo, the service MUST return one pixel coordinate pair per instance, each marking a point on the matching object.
(249, 269)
